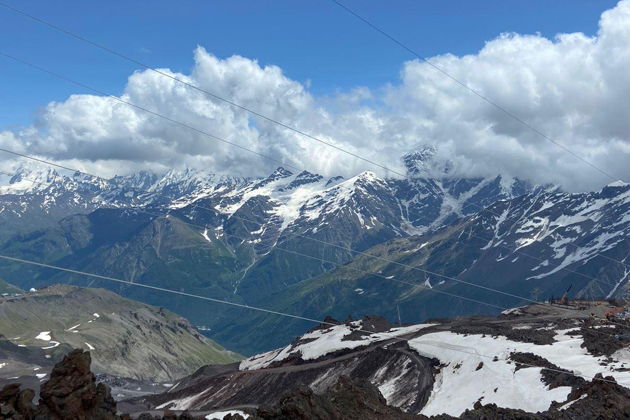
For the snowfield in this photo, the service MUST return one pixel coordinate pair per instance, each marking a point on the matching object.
(463, 382)
(322, 342)
(44, 336)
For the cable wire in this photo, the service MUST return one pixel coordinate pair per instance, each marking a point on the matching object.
(237, 217)
(195, 87)
(253, 112)
(473, 91)
(256, 308)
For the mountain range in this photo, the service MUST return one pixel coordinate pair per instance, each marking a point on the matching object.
(306, 244)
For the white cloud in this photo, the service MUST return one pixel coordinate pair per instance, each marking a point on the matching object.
(573, 88)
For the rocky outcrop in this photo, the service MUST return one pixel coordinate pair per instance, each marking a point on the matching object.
(15, 403)
(601, 398)
(71, 393)
(346, 399)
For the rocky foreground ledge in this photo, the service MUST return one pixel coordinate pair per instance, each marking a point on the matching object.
(73, 393)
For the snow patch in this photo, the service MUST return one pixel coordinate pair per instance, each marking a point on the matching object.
(44, 336)
(218, 415)
(325, 341)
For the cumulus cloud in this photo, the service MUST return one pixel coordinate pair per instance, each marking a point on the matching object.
(574, 88)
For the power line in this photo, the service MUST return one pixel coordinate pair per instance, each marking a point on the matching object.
(192, 86)
(203, 132)
(336, 264)
(253, 112)
(473, 91)
(278, 122)
(237, 217)
(334, 245)
(83, 85)
(255, 308)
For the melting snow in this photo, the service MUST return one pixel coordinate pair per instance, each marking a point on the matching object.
(91, 347)
(459, 385)
(44, 336)
(52, 345)
(324, 342)
(218, 415)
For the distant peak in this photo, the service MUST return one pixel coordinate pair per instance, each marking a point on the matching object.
(614, 189)
(334, 180)
(423, 162)
(618, 184)
(280, 172)
(367, 175)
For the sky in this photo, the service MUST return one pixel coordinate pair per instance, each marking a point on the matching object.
(315, 67)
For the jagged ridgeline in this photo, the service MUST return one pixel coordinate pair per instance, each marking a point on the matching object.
(245, 240)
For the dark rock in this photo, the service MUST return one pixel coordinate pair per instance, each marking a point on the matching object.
(344, 400)
(72, 391)
(552, 375)
(15, 403)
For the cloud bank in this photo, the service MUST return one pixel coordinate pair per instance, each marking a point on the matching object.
(574, 88)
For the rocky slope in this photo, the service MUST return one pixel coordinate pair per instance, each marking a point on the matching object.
(126, 338)
(535, 246)
(248, 237)
(73, 392)
(8, 289)
(536, 359)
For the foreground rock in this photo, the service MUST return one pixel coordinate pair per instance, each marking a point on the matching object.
(600, 399)
(71, 393)
(344, 400)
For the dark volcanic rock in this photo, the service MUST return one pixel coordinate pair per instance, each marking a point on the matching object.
(16, 404)
(534, 336)
(604, 342)
(72, 391)
(601, 398)
(552, 375)
(345, 400)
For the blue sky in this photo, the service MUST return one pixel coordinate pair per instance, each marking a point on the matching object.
(312, 41)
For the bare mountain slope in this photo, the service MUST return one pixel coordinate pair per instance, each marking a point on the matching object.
(126, 338)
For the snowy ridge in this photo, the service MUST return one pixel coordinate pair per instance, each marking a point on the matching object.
(321, 342)
(472, 367)
(302, 201)
(566, 230)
